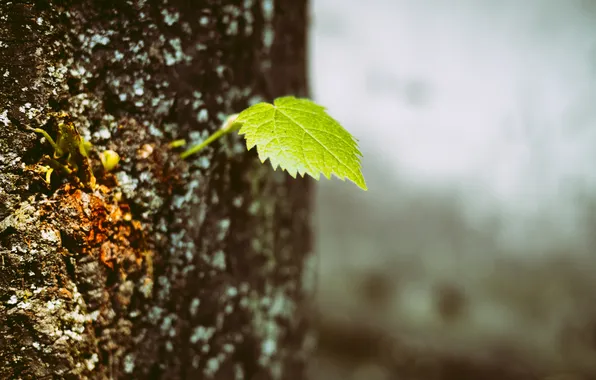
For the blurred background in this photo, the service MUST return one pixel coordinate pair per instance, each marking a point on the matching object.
(472, 254)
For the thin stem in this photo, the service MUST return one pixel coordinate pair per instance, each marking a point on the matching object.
(228, 126)
(57, 150)
(177, 143)
(209, 140)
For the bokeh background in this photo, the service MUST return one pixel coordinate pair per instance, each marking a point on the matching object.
(472, 254)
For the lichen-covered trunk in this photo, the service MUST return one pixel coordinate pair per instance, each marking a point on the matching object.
(166, 268)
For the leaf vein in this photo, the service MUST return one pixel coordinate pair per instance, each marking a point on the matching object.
(322, 145)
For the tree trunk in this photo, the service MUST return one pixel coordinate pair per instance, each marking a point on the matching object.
(167, 268)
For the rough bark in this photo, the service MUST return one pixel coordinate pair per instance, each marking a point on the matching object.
(168, 269)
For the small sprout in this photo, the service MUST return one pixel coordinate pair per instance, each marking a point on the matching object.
(109, 160)
(298, 136)
(45, 170)
(69, 148)
(177, 143)
(48, 174)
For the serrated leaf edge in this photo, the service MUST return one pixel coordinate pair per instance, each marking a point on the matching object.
(275, 107)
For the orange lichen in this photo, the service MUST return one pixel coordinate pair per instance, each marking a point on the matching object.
(65, 293)
(98, 225)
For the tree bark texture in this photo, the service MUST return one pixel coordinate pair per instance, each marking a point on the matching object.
(168, 269)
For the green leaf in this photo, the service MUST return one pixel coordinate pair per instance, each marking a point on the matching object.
(300, 137)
